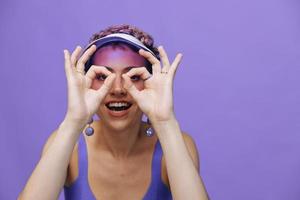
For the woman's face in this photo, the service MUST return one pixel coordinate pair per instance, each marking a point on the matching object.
(118, 109)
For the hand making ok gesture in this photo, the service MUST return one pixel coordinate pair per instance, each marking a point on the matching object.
(83, 101)
(156, 99)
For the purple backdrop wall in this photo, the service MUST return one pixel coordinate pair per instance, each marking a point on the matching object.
(236, 91)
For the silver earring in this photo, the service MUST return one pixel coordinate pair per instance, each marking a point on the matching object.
(89, 130)
(149, 132)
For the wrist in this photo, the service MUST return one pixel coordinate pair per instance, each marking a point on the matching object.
(75, 118)
(72, 125)
(163, 119)
(163, 126)
(168, 131)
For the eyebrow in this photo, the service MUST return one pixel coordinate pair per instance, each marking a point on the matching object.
(125, 69)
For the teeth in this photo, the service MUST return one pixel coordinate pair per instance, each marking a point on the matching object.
(118, 104)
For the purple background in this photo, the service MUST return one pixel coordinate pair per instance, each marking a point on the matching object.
(236, 91)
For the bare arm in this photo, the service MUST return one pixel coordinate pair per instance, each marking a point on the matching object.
(50, 173)
(182, 167)
(156, 101)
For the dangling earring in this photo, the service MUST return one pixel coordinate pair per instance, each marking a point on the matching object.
(149, 131)
(89, 130)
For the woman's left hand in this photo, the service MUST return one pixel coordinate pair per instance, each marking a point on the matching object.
(156, 99)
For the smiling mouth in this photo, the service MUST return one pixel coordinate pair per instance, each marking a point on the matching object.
(118, 106)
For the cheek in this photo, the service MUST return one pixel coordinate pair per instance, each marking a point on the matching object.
(96, 84)
(139, 85)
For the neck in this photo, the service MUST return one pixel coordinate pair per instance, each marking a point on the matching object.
(120, 143)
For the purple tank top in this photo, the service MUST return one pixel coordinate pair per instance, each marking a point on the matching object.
(80, 190)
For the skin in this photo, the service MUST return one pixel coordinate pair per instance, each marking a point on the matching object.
(119, 60)
(122, 152)
(119, 150)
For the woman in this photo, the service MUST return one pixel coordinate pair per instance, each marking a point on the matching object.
(119, 77)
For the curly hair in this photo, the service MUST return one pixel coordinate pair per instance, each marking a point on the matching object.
(139, 34)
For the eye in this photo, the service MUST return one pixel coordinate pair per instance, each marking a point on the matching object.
(101, 77)
(135, 78)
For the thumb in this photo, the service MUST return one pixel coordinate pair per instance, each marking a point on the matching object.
(103, 90)
(129, 86)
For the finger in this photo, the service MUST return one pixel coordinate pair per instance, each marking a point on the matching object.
(141, 71)
(152, 59)
(104, 89)
(68, 67)
(93, 72)
(175, 64)
(75, 56)
(85, 57)
(129, 86)
(164, 59)
(95, 69)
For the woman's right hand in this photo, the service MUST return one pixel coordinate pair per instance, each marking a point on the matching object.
(83, 101)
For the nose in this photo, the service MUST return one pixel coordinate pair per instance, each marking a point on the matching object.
(117, 89)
